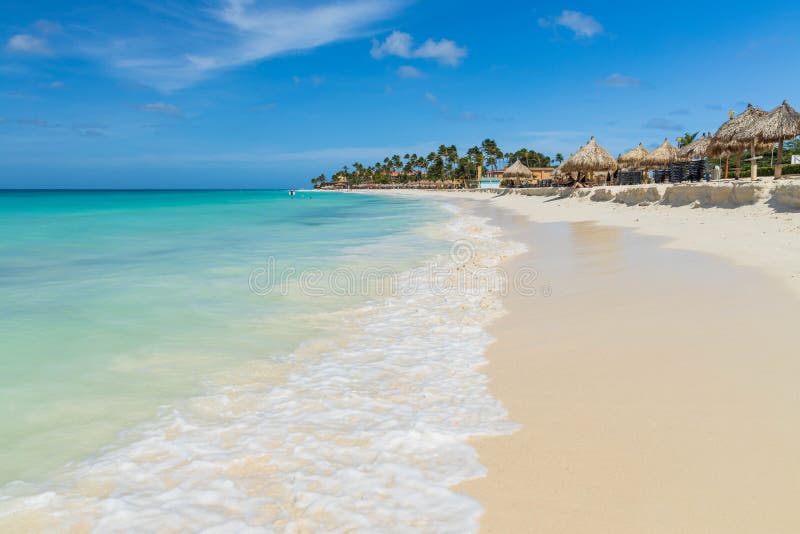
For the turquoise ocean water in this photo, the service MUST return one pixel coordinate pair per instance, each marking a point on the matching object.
(116, 305)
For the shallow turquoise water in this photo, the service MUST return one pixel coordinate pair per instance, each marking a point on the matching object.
(114, 305)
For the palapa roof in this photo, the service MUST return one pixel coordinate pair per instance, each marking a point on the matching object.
(590, 157)
(633, 158)
(661, 156)
(780, 124)
(724, 141)
(697, 149)
(517, 170)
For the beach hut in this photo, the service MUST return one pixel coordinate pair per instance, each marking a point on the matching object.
(697, 149)
(518, 172)
(777, 126)
(724, 144)
(590, 158)
(632, 159)
(661, 157)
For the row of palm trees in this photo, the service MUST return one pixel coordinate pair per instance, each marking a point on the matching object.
(443, 164)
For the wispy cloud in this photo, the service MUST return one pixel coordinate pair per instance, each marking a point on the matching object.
(407, 71)
(314, 80)
(36, 123)
(28, 44)
(455, 115)
(47, 27)
(619, 80)
(234, 33)
(434, 101)
(581, 24)
(160, 107)
(90, 129)
(662, 124)
(401, 44)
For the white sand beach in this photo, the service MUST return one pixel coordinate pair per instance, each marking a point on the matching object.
(654, 378)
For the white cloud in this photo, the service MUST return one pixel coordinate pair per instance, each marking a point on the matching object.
(160, 107)
(199, 43)
(56, 85)
(430, 97)
(444, 51)
(28, 44)
(401, 44)
(407, 71)
(397, 44)
(618, 80)
(581, 24)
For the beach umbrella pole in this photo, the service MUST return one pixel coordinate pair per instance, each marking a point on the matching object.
(779, 165)
(753, 161)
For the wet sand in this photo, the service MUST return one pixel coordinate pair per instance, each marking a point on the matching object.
(657, 389)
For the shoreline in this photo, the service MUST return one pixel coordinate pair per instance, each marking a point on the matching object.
(366, 427)
(756, 233)
(654, 385)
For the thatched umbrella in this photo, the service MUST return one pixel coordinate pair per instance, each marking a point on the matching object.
(724, 142)
(697, 149)
(777, 126)
(661, 156)
(518, 171)
(589, 158)
(632, 159)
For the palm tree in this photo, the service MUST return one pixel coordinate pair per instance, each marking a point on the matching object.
(476, 155)
(559, 158)
(452, 158)
(491, 151)
(686, 139)
(422, 163)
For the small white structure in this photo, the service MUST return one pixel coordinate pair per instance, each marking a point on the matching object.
(795, 159)
(489, 183)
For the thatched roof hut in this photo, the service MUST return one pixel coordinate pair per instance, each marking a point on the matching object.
(661, 156)
(724, 142)
(633, 158)
(590, 157)
(697, 149)
(777, 126)
(518, 171)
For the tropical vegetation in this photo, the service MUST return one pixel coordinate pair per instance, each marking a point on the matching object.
(444, 164)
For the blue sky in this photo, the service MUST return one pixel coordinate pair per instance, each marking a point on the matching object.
(248, 93)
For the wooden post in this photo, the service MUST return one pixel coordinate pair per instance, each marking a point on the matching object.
(753, 161)
(738, 165)
(727, 161)
(779, 165)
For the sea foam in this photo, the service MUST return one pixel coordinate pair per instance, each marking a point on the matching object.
(365, 432)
